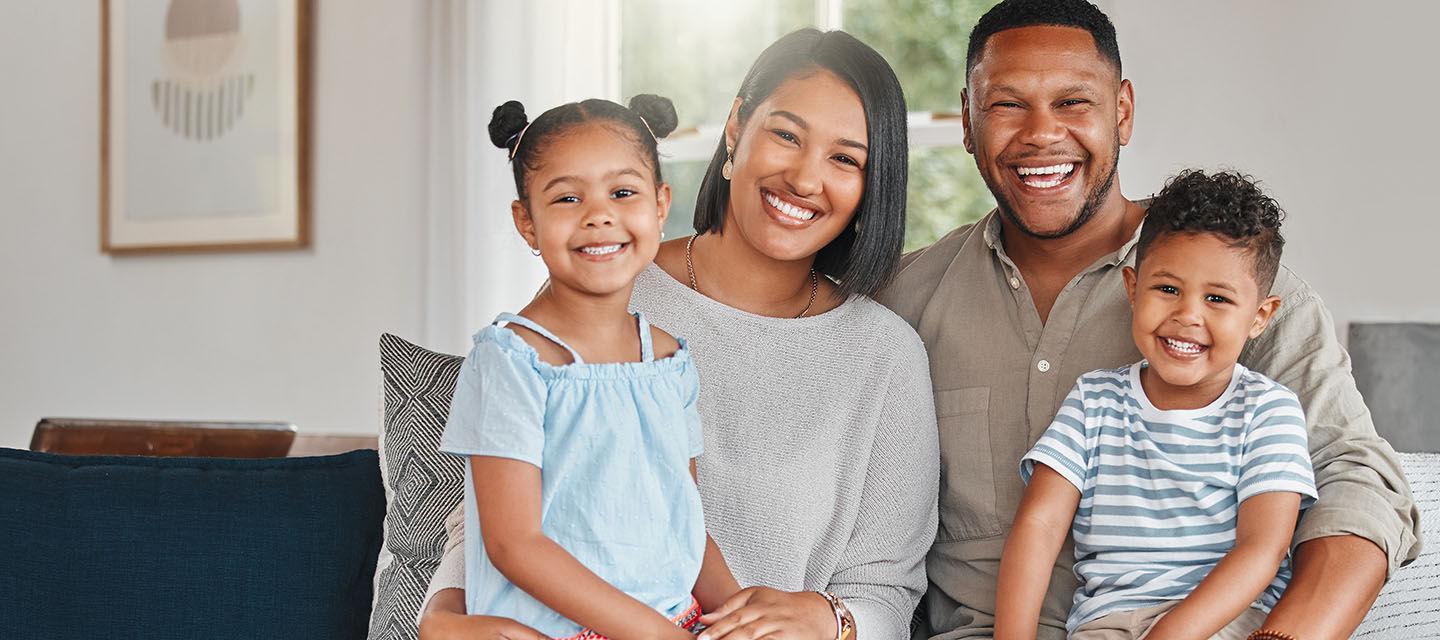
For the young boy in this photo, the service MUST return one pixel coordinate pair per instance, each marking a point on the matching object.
(1180, 476)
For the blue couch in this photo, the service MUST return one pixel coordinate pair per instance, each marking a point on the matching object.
(156, 548)
(160, 548)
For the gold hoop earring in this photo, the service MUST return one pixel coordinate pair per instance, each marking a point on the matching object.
(728, 169)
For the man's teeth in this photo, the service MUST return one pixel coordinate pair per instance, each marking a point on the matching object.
(1183, 347)
(600, 250)
(788, 209)
(1057, 174)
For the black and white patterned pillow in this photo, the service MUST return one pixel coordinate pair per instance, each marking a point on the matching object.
(422, 485)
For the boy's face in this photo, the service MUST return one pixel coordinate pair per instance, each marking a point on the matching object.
(1195, 303)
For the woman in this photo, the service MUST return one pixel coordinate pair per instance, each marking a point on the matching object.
(820, 469)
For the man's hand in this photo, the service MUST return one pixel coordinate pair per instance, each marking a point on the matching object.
(445, 619)
(762, 612)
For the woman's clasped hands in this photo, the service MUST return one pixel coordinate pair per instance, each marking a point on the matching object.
(763, 612)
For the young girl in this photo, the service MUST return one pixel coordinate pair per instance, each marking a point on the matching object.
(579, 419)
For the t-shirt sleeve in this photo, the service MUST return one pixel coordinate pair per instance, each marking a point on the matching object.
(1062, 447)
(1276, 456)
(499, 406)
(690, 387)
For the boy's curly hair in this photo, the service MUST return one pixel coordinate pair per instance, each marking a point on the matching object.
(1225, 203)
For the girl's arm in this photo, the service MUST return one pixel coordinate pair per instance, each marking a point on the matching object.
(507, 497)
(1262, 537)
(1041, 525)
(715, 584)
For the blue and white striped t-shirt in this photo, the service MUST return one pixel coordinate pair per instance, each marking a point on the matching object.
(1160, 490)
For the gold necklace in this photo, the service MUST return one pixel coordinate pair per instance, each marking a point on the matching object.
(690, 267)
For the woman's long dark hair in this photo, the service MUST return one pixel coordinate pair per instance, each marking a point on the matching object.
(860, 261)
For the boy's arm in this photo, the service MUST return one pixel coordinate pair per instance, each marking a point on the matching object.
(507, 496)
(1262, 537)
(715, 584)
(1041, 524)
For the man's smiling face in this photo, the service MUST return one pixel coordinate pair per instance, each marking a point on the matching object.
(1045, 116)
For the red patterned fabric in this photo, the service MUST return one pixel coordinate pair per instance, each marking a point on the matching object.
(685, 621)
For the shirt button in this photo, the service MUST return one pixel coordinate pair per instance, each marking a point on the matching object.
(1014, 283)
(1043, 366)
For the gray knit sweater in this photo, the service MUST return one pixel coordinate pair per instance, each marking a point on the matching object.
(821, 463)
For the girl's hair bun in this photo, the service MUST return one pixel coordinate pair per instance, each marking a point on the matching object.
(657, 111)
(506, 123)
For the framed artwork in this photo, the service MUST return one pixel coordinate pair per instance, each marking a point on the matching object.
(204, 125)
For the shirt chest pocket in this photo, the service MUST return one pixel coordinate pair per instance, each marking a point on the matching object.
(967, 470)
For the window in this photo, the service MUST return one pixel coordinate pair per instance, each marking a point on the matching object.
(695, 52)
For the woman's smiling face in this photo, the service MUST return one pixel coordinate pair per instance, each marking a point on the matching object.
(799, 166)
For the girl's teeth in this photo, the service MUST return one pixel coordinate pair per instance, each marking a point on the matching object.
(1183, 347)
(789, 209)
(600, 250)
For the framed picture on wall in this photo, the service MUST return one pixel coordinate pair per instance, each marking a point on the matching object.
(204, 130)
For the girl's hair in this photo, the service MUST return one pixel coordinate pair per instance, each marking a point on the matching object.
(648, 118)
(864, 256)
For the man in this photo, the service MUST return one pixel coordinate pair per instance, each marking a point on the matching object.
(1013, 308)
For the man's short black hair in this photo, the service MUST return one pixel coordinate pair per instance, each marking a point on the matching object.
(1013, 14)
(1227, 204)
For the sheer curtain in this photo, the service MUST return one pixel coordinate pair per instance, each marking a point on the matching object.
(541, 52)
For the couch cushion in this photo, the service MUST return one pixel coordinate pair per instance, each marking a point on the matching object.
(1409, 605)
(133, 547)
(422, 485)
(1394, 365)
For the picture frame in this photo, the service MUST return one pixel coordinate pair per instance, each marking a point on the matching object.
(204, 131)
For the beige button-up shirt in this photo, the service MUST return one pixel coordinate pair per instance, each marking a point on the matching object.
(1000, 374)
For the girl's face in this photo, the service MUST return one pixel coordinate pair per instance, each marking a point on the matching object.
(595, 211)
(799, 166)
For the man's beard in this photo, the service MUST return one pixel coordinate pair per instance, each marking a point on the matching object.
(1087, 209)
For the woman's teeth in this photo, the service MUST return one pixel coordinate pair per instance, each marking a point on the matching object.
(788, 209)
(1189, 348)
(600, 250)
(1045, 177)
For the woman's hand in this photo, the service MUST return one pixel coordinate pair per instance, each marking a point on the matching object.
(445, 619)
(762, 612)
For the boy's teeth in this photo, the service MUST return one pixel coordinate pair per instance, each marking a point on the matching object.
(789, 209)
(1045, 177)
(1182, 346)
(601, 249)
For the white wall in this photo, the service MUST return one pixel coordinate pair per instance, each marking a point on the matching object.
(276, 336)
(1331, 104)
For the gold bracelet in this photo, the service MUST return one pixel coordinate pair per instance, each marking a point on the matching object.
(844, 621)
(1269, 634)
